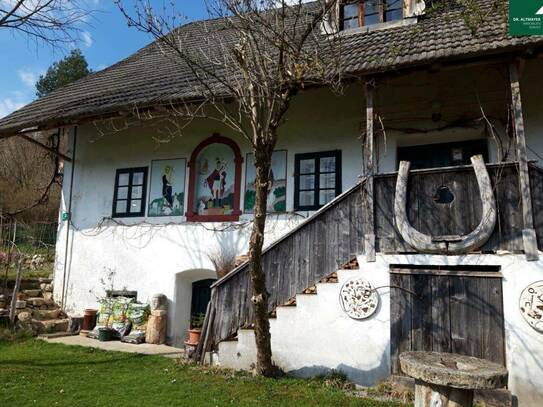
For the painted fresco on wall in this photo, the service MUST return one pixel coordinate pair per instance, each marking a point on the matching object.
(277, 186)
(531, 305)
(215, 180)
(167, 192)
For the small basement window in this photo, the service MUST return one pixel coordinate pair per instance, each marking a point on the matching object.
(354, 14)
(130, 192)
(317, 179)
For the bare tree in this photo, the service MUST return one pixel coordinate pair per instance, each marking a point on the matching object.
(54, 22)
(246, 64)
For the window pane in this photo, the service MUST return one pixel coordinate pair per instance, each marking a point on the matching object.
(307, 182)
(120, 207)
(328, 164)
(371, 19)
(137, 192)
(393, 4)
(350, 10)
(327, 181)
(123, 179)
(122, 193)
(307, 198)
(371, 7)
(351, 23)
(307, 166)
(326, 196)
(393, 15)
(137, 178)
(135, 206)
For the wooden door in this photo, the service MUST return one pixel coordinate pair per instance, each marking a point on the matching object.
(201, 294)
(446, 311)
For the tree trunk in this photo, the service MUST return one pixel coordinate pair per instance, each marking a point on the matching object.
(264, 365)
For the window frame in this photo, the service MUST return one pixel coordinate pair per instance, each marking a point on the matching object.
(316, 156)
(361, 13)
(130, 185)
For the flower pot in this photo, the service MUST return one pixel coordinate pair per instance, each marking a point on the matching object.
(89, 319)
(105, 334)
(194, 336)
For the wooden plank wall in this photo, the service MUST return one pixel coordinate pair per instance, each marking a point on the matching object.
(441, 313)
(335, 236)
(536, 183)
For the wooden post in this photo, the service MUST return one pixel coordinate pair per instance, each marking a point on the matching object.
(369, 171)
(528, 233)
(12, 309)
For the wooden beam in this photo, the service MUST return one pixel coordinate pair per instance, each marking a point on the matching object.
(49, 149)
(369, 172)
(528, 233)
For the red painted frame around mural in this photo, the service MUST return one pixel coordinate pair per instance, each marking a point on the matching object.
(192, 215)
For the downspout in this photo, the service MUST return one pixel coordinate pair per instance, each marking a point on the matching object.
(69, 219)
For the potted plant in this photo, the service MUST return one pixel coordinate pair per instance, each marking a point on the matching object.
(105, 330)
(196, 323)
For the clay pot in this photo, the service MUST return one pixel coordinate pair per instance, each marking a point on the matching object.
(194, 336)
(89, 319)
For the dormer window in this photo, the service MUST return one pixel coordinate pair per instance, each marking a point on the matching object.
(354, 14)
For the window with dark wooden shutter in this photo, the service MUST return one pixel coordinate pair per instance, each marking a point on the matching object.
(317, 179)
(130, 192)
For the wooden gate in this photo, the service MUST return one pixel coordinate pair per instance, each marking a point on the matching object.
(454, 309)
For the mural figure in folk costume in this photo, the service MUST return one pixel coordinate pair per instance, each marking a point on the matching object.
(167, 190)
(216, 182)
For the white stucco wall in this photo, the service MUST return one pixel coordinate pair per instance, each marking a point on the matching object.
(317, 336)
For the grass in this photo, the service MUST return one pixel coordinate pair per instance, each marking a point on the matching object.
(36, 373)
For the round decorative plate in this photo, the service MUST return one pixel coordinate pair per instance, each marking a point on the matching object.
(358, 298)
(531, 305)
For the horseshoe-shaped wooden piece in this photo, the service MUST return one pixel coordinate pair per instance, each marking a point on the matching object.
(463, 244)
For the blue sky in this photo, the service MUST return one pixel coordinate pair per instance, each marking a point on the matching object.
(105, 40)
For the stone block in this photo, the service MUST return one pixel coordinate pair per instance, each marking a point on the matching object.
(46, 314)
(32, 293)
(24, 316)
(20, 304)
(48, 288)
(18, 311)
(36, 301)
(156, 327)
(48, 297)
(50, 326)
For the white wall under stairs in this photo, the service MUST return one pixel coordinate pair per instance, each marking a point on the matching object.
(310, 338)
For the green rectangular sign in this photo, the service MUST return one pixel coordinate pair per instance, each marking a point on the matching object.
(526, 17)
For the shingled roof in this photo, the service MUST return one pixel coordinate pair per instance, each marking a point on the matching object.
(149, 78)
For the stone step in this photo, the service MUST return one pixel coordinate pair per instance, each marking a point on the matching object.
(50, 326)
(32, 293)
(36, 301)
(44, 315)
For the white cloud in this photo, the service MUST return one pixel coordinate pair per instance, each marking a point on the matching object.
(28, 77)
(87, 38)
(8, 105)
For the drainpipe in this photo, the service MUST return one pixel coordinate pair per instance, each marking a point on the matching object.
(69, 219)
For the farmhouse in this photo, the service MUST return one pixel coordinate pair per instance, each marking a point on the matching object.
(422, 235)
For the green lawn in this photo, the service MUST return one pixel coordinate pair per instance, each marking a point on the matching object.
(35, 373)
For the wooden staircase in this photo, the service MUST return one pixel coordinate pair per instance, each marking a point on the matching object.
(310, 332)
